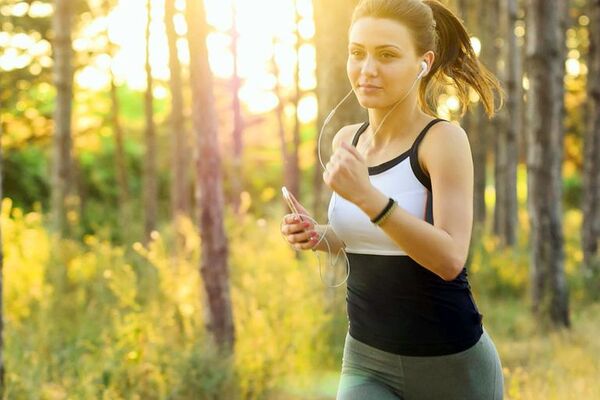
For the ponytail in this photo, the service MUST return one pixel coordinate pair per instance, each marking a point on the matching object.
(456, 59)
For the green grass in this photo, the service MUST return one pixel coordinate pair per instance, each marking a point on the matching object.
(537, 365)
(88, 320)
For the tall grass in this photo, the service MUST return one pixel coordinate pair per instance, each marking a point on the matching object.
(91, 320)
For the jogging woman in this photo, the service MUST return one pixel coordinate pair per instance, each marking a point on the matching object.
(402, 209)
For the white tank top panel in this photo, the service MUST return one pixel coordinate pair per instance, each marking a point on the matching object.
(401, 179)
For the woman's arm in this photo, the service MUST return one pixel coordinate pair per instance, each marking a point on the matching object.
(443, 247)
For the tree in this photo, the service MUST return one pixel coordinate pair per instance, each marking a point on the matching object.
(501, 121)
(544, 156)
(2, 372)
(507, 154)
(280, 117)
(473, 13)
(293, 159)
(120, 159)
(209, 192)
(63, 80)
(180, 206)
(238, 121)
(150, 180)
(591, 178)
(289, 148)
(332, 20)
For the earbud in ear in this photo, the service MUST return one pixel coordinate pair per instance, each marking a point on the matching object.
(423, 70)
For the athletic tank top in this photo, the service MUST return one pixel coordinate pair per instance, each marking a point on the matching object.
(394, 303)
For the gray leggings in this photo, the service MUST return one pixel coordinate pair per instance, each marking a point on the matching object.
(370, 373)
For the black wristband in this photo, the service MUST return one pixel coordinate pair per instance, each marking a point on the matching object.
(389, 205)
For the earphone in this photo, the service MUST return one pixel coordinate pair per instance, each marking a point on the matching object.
(422, 73)
(423, 70)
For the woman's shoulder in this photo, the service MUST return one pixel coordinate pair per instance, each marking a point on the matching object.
(444, 132)
(442, 138)
(345, 134)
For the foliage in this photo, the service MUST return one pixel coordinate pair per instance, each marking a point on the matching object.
(93, 320)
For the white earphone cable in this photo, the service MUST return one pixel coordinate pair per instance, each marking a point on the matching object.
(323, 236)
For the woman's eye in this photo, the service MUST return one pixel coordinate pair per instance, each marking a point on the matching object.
(388, 55)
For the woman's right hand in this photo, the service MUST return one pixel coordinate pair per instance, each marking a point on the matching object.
(299, 233)
(298, 230)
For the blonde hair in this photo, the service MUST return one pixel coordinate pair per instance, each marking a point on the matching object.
(435, 27)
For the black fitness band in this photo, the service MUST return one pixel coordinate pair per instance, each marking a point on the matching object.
(383, 212)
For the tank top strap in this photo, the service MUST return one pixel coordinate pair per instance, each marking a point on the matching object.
(359, 132)
(414, 155)
(417, 141)
(423, 132)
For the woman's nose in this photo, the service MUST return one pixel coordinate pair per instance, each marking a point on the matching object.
(369, 66)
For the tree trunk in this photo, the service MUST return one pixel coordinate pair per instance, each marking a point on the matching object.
(332, 20)
(500, 139)
(63, 80)
(486, 128)
(150, 188)
(513, 123)
(237, 180)
(279, 110)
(120, 159)
(2, 372)
(591, 177)
(544, 157)
(470, 12)
(180, 198)
(294, 183)
(281, 127)
(209, 192)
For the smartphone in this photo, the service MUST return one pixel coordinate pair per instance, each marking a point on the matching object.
(288, 199)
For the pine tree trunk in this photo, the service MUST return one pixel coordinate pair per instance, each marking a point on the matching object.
(150, 188)
(209, 191)
(470, 12)
(237, 180)
(294, 184)
(486, 128)
(332, 20)
(500, 139)
(120, 159)
(591, 177)
(544, 157)
(2, 371)
(180, 198)
(63, 80)
(513, 123)
(281, 128)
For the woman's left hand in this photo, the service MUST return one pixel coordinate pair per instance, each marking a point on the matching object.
(347, 173)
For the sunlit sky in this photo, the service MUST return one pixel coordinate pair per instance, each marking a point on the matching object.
(255, 50)
(257, 28)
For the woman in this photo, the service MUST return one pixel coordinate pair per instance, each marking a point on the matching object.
(403, 184)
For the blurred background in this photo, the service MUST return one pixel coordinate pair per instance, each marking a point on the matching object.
(144, 144)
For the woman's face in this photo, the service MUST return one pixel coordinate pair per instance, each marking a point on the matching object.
(382, 64)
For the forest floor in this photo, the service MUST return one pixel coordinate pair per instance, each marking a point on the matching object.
(537, 365)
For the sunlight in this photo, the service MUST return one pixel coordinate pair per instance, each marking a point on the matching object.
(306, 108)
(476, 43)
(262, 38)
(255, 47)
(573, 67)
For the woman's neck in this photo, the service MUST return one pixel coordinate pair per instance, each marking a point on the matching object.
(401, 124)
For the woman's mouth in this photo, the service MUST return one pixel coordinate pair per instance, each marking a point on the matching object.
(369, 88)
